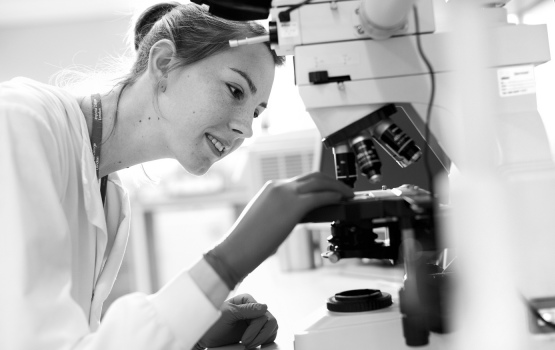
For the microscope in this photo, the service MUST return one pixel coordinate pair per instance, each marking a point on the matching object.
(464, 79)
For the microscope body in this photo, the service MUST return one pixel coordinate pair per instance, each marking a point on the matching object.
(483, 118)
(464, 77)
(364, 75)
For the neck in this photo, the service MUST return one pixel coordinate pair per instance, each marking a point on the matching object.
(127, 139)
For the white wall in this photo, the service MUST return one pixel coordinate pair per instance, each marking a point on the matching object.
(39, 50)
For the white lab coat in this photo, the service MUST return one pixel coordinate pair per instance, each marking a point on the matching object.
(60, 251)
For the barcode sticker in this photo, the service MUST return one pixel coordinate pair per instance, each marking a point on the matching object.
(516, 81)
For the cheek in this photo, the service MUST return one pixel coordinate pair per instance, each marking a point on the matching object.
(209, 107)
(236, 145)
(189, 118)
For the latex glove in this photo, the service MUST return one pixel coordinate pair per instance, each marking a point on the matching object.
(243, 319)
(268, 219)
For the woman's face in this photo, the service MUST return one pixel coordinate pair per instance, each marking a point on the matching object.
(209, 106)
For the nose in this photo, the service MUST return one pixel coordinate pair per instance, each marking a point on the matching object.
(242, 125)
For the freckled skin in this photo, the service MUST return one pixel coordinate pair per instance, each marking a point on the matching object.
(206, 98)
(203, 90)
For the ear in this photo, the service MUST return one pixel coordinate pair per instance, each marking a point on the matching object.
(160, 59)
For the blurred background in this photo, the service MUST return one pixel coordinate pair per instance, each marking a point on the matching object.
(177, 216)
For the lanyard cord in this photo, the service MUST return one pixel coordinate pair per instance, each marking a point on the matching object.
(96, 140)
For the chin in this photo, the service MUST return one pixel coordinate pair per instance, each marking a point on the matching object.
(197, 170)
(196, 165)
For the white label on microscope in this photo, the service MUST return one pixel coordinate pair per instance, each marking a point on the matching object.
(289, 29)
(336, 60)
(516, 81)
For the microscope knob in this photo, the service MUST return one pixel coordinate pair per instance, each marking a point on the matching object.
(332, 256)
(359, 300)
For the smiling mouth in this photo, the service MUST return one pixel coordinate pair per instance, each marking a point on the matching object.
(217, 144)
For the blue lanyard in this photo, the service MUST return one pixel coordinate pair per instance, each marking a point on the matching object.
(96, 140)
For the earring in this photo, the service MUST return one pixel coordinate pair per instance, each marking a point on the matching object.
(163, 86)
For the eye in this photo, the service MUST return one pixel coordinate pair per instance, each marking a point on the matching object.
(256, 113)
(237, 93)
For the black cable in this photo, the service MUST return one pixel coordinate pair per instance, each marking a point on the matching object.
(429, 110)
(284, 15)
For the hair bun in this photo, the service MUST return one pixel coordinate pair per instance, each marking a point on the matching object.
(147, 19)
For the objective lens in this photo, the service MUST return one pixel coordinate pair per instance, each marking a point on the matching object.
(345, 166)
(396, 143)
(367, 157)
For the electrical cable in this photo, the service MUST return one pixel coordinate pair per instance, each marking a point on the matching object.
(284, 15)
(429, 109)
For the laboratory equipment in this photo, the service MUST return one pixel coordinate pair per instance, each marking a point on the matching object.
(465, 78)
(408, 217)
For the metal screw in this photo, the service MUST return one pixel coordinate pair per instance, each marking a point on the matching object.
(359, 29)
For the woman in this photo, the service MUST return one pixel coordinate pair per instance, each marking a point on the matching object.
(189, 97)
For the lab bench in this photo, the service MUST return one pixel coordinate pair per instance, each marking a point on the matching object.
(293, 296)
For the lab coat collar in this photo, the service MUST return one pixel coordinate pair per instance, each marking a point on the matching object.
(118, 217)
(92, 198)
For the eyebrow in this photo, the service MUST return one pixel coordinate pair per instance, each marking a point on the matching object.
(248, 79)
(245, 76)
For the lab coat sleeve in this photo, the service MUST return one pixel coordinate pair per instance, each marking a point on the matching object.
(36, 307)
(174, 318)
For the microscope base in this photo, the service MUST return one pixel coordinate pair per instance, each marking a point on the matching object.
(379, 329)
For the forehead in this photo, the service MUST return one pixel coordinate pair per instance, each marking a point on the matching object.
(255, 60)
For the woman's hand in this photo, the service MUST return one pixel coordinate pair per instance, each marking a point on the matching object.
(269, 218)
(244, 320)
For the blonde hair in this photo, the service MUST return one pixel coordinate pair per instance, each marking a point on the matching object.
(195, 33)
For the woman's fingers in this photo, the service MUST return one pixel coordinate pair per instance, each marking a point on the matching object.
(272, 337)
(320, 199)
(260, 331)
(317, 182)
(241, 299)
